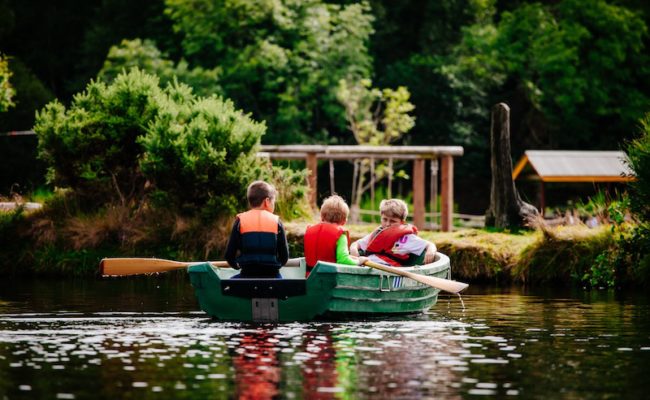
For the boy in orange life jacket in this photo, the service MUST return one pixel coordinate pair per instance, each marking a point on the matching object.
(258, 236)
(395, 242)
(328, 240)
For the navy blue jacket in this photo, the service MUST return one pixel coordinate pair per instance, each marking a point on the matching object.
(257, 244)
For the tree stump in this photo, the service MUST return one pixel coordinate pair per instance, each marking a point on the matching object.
(506, 210)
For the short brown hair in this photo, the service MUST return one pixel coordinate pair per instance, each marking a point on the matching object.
(258, 191)
(334, 209)
(394, 208)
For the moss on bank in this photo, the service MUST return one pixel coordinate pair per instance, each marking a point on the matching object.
(560, 254)
(39, 243)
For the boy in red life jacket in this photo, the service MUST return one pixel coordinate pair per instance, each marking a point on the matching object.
(395, 242)
(328, 240)
(258, 244)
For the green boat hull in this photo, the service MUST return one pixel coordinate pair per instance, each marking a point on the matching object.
(331, 289)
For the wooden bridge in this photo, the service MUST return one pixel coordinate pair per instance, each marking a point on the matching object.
(438, 156)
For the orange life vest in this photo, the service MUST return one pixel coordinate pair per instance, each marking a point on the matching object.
(382, 242)
(320, 242)
(258, 229)
(258, 221)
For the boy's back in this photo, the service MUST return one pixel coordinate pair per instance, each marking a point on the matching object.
(329, 240)
(258, 244)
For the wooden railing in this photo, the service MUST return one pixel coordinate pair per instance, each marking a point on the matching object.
(432, 218)
(417, 154)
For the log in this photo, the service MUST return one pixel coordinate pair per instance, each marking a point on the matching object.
(507, 210)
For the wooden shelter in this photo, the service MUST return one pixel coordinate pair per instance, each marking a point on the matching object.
(418, 154)
(572, 166)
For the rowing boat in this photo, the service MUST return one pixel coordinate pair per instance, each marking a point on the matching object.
(331, 290)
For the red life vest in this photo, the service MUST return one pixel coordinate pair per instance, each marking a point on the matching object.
(382, 241)
(320, 243)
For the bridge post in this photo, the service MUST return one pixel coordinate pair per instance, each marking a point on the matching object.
(418, 193)
(312, 166)
(447, 193)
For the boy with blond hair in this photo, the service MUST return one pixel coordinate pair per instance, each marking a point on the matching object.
(395, 242)
(258, 244)
(329, 240)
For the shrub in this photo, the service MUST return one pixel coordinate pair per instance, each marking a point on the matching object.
(145, 55)
(131, 141)
(568, 254)
(638, 152)
(91, 147)
(637, 249)
(628, 259)
(635, 256)
(200, 154)
(292, 201)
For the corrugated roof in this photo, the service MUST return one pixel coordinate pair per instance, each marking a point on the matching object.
(574, 166)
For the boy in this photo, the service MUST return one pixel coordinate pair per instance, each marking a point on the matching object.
(395, 242)
(258, 236)
(328, 240)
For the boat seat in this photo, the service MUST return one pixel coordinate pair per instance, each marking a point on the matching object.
(264, 288)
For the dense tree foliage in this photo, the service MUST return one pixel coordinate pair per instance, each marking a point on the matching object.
(567, 49)
(411, 46)
(577, 74)
(62, 45)
(30, 95)
(574, 73)
(6, 91)
(281, 60)
(146, 56)
(377, 118)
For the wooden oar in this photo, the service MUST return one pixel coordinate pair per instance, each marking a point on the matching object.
(439, 283)
(136, 266)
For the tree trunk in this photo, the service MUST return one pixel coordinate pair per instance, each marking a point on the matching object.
(507, 210)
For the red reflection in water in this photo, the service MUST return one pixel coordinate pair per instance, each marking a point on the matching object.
(319, 371)
(256, 367)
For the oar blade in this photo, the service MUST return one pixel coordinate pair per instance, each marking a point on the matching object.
(443, 284)
(137, 266)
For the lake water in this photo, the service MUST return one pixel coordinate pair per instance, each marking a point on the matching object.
(146, 338)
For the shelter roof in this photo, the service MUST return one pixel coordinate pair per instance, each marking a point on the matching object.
(573, 166)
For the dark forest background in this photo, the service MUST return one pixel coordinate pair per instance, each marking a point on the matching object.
(575, 73)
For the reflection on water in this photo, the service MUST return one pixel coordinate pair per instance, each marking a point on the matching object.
(145, 339)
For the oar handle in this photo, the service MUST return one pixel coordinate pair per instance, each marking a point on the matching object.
(292, 262)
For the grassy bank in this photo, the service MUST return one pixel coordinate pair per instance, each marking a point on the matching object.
(562, 254)
(49, 243)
